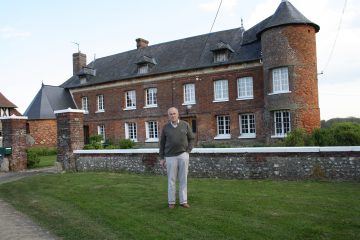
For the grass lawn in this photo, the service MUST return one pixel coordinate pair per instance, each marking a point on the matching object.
(123, 206)
(46, 161)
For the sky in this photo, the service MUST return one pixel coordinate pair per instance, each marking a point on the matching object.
(36, 39)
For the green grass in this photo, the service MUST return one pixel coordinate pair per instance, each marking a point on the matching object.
(46, 161)
(123, 206)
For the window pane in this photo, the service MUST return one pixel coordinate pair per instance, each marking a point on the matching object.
(280, 80)
(223, 124)
(245, 87)
(151, 96)
(282, 122)
(101, 102)
(189, 93)
(221, 90)
(130, 99)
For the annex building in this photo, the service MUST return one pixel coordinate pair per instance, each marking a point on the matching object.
(237, 85)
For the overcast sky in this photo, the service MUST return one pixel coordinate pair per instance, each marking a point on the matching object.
(36, 39)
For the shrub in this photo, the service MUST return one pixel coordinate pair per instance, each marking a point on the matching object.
(126, 143)
(33, 159)
(296, 138)
(346, 134)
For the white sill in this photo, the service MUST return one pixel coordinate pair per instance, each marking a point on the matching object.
(278, 136)
(151, 106)
(247, 136)
(152, 140)
(86, 112)
(244, 98)
(134, 140)
(100, 111)
(129, 108)
(275, 93)
(218, 137)
(223, 100)
(189, 103)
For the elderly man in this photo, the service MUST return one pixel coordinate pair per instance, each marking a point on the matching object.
(175, 145)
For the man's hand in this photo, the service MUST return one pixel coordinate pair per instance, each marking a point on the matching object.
(162, 163)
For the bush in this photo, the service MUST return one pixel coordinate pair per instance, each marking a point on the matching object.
(346, 134)
(297, 138)
(126, 143)
(33, 158)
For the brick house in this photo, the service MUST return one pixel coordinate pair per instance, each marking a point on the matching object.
(41, 124)
(240, 86)
(7, 109)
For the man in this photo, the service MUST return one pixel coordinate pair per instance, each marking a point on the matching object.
(175, 145)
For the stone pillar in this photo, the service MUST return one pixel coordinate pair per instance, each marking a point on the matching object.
(14, 136)
(70, 136)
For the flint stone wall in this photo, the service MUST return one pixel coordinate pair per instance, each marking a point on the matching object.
(337, 163)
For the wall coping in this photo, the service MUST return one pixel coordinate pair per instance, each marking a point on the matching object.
(69, 110)
(231, 150)
(14, 117)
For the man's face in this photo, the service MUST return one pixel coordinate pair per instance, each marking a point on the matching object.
(173, 115)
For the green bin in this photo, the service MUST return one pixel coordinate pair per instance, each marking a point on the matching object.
(5, 151)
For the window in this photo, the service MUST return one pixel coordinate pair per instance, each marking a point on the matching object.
(189, 93)
(223, 127)
(151, 131)
(220, 56)
(100, 102)
(247, 125)
(281, 123)
(151, 97)
(131, 131)
(85, 104)
(143, 68)
(101, 131)
(221, 92)
(280, 80)
(245, 88)
(130, 99)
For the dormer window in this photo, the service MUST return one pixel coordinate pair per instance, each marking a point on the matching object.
(145, 64)
(221, 56)
(143, 68)
(222, 52)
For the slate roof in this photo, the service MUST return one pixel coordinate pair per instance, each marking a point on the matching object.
(190, 53)
(5, 103)
(47, 100)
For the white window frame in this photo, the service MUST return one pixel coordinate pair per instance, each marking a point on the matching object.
(189, 93)
(221, 56)
(150, 97)
(282, 124)
(223, 132)
(130, 100)
(280, 80)
(101, 131)
(143, 68)
(247, 125)
(221, 90)
(85, 104)
(100, 103)
(152, 131)
(131, 131)
(245, 88)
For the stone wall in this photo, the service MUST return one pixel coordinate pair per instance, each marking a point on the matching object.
(336, 163)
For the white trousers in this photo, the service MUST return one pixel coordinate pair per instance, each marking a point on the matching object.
(177, 166)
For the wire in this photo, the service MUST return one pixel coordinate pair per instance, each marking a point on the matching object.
(207, 37)
(334, 44)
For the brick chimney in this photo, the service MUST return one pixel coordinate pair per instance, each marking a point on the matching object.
(141, 43)
(79, 61)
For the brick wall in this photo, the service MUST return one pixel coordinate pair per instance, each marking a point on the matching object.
(70, 134)
(170, 93)
(14, 136)
(293, 47)
(335, 163)
(44, 132)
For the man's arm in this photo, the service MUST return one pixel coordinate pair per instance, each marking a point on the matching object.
(190, 137)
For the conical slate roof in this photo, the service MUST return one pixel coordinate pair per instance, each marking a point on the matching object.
(287, 14)
(47, 100)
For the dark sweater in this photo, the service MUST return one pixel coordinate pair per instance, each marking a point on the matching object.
(175, 141)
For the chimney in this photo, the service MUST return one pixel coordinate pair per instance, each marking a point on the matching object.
(79, 62)
(141, 43)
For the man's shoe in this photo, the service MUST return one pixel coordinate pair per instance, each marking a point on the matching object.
(171, 206)
(185, 205)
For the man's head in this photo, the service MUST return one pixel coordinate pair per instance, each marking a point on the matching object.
(173, 114)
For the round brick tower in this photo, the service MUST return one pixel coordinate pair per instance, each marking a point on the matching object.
(290, 71)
